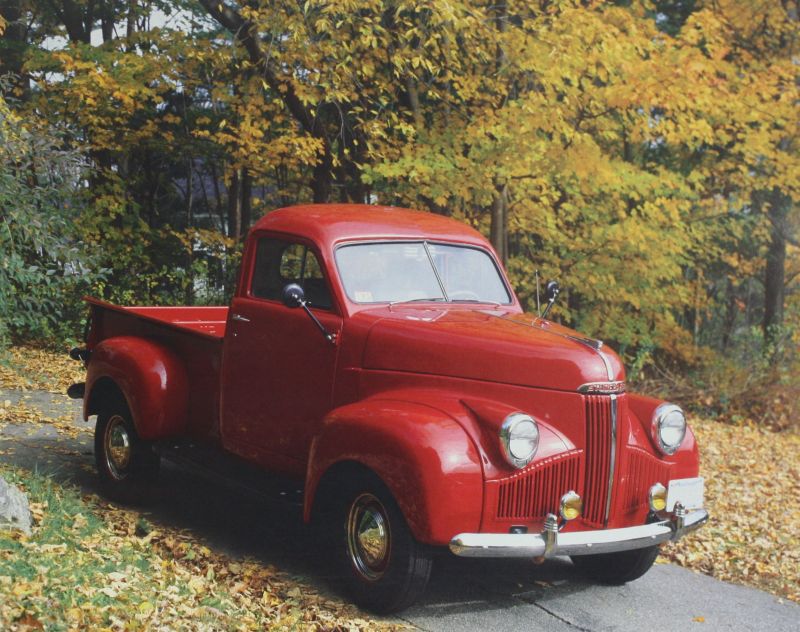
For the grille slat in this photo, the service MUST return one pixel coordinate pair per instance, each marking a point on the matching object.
(536, 492)
(643, 471)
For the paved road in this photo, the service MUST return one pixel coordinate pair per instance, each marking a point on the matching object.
(492, 595)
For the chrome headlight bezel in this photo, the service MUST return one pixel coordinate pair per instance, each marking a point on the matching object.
(661, 415)
(513, 424)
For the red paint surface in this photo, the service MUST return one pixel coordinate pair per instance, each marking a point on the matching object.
(417, 393)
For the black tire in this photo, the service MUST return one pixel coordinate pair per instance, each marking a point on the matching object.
(617, 568)
(128, 467)
(390, 572)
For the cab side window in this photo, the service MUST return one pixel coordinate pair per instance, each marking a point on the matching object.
(279, 263)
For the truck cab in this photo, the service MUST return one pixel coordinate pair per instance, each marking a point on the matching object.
(380, 358)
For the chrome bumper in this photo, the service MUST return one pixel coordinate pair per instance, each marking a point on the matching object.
(551, 542)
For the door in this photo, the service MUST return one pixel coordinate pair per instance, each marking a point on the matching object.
(278, 368)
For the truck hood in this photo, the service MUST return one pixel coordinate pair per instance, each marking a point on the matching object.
(486, 345)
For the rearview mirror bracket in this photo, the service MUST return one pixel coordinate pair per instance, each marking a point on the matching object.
(294, 296)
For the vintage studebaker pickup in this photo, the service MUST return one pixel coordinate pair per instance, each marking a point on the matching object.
(379, 357)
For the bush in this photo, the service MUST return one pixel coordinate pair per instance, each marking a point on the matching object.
(44, 268)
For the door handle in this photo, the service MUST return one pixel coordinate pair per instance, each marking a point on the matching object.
(240, 318)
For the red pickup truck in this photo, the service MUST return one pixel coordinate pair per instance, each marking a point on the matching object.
(379, 357)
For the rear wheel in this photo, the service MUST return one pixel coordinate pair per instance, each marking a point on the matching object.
(383, 566)
(128, 466)
(617, 568)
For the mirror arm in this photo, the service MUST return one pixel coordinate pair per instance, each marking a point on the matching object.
(552, 293)
(330, 337)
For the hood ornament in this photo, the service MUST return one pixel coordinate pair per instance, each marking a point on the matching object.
(589, 342)
(602, 388)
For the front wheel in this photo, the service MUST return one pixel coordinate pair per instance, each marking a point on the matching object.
(128, 467)
(384, 567)
(617, 568)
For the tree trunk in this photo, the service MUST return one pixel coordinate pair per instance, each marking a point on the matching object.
(189, 222)
(246, 203)
(77, 19)
(217, 196)
(774, 278)
(322, 178)
(131, 21)
(234, 207)
(499, 227)
(730, 315)
(499, 224)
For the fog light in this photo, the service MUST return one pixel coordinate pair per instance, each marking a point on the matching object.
(658, 497)
(571, 506)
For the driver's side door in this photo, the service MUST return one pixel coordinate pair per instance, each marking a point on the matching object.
(278, 369)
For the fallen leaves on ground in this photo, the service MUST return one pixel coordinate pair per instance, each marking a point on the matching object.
(752, 492)
(752, 479)
(23, 413)
(28, 368)
(91, 565)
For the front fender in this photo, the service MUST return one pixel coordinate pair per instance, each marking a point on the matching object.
(686, 460)
(152, 379)
(423, 455)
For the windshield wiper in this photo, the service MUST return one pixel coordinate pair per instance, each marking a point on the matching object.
(417, 300)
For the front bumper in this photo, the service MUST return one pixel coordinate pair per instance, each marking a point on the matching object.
(551, 542)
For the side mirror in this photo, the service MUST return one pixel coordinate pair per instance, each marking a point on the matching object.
(551, 290)
(293, 295)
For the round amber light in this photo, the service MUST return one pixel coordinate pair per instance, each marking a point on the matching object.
(658, 497)
(571, 506)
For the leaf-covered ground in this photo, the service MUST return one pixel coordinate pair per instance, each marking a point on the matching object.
(752, 479)
(91, 564)
(28, 368)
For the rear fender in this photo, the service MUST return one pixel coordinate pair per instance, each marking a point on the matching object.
(424, 457)
(151, 378)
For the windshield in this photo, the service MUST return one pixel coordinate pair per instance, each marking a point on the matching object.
(390, 272)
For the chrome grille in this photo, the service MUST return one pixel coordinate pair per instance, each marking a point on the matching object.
(600, 436)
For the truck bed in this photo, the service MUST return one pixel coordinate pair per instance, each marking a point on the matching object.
(205, 321)
(195, 334)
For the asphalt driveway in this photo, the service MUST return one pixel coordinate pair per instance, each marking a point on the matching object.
(463, 594)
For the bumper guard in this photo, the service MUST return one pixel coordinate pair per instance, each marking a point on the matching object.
(550, 542)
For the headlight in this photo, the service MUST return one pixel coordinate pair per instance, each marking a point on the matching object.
(519, 436)
(669, 427)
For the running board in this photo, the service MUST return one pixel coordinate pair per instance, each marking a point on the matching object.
(211, 462)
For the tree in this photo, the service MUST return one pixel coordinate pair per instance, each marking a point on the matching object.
(642, 152)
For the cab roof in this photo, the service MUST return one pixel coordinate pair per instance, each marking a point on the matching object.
(328, 224)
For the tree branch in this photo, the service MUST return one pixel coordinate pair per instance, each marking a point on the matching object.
(244, 31)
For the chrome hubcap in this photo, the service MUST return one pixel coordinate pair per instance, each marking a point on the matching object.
(117, 443)
(368, 537)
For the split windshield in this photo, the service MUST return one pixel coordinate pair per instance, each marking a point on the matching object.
(395, 272)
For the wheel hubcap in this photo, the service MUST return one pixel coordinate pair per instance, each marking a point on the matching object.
(117, 443)
(368, 537)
